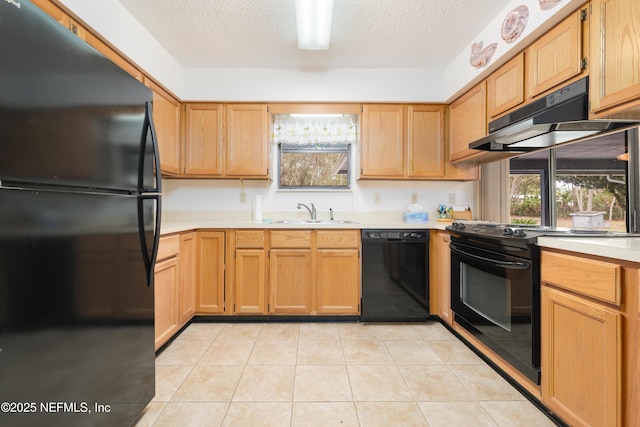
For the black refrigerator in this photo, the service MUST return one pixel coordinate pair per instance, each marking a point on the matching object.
(79, 229)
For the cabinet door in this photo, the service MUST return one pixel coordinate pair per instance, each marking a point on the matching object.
(210, 272)
(441, 289)
(337, 281)
(615, 53)
(425, 141)
(382, 141)
(59, 15)
(166, 118)
(187, 300)
(114, 56)
(203, 140)
(505, 87)
(467, 122)
(166, 283)
(250, 283)
(290, 281)
(581, 359)
(247, 140)
(555, 57)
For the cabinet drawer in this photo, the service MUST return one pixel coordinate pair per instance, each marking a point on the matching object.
(291, 239)
(597, 279)
(169, 246)
(338, 239)
(249, 239)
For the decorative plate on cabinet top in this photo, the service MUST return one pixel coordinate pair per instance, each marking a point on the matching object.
(514, 24)
(481, 57)
(548, 4)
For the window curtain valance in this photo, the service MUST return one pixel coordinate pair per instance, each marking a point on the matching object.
(314, 130)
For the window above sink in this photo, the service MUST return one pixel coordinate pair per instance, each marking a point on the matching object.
(314, 150)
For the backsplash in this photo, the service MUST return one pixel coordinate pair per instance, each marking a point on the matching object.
(220, 197)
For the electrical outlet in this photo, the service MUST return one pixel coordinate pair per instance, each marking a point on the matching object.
(452, 199)
(414, 197)
(243, 197)
(377, 198)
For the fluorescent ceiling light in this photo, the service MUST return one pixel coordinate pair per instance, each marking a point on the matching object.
(313, 19)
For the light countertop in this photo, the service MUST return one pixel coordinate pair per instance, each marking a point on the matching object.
(175, 226)
(623, 248)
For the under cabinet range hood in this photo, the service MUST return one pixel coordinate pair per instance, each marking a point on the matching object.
(561, 116)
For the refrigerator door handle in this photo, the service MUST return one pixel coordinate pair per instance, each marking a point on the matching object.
(149, 259)
(149, 128)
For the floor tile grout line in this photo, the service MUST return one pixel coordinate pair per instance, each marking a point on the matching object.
(353, 401)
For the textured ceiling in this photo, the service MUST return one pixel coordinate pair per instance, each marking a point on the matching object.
(365, 33)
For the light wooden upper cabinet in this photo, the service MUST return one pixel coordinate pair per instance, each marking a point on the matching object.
(72, 25)
(425, 141)
(467, 122)
(615, 56)
(203, 128)
(59, 15)
(406, 142)
(247, 146)
(505, 87)
(556, 56)
(382, 141)
(166, 119)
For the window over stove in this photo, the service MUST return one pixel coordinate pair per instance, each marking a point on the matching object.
(585, 184)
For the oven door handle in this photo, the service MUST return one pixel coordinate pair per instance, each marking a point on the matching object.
(511, 265)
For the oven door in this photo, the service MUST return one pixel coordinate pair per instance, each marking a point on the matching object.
(495, 297)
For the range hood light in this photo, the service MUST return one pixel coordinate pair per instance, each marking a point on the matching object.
(313, 20)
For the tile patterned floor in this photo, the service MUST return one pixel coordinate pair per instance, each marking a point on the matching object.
(324, 374)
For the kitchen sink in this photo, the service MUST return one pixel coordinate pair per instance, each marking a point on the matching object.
(315, 221)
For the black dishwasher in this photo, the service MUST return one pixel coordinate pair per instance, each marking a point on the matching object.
(395, 275)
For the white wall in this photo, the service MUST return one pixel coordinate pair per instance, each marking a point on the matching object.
(345, 84)
(224, 196)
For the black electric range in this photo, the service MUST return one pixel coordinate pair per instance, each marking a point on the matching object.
(525, 234)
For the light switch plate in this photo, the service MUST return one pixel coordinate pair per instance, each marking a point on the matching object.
(452, 199)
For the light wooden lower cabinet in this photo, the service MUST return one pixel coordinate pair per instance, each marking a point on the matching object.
(210, 272)
(314, 272)
(337, 281)
(290, 280)
(187, 294)
(440, 284)
(580, 359)
(166, 283)
(589, 339)
(249, 272)
(250, 284)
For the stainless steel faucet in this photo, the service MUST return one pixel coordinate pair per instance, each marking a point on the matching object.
(312, 211)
